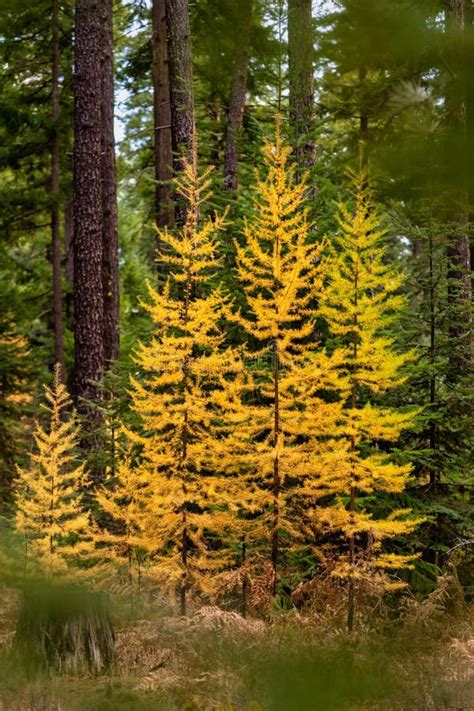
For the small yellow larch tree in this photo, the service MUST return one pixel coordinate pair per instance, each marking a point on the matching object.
(191, 505)
(360, 303)
(286, 440)
(15, 405)
(121, 536)
(49, 515)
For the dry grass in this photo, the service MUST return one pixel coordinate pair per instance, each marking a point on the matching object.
(215, 660)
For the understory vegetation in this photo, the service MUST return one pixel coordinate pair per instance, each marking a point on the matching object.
(236, 355)
(418, 655)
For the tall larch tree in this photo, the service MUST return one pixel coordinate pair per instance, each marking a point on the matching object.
(89, 346)
(281, 442)
(361, 304)
(50, 517)
(235, 110)
(163, 153)
(301, 80)
(178, 29)
(110, 263)
(16, 400)
(179, 369)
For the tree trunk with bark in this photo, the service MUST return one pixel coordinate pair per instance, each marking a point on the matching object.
(235, 114)
(181, 89)
(87, 180)
(110, 264)
(300, 66)
(164, 210)
(55, 194)
(458, 248)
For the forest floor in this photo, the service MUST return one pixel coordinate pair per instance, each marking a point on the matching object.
(215, 660)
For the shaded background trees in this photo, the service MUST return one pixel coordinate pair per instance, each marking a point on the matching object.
(395, 73)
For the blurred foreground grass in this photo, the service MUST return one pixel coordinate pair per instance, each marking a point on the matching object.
(217, 661)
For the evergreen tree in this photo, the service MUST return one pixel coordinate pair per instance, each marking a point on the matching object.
(96, 289)
(164, 212)
(236, 107)
(110, 252)
(55, 182)
(89, 347)
(178, 32)
(301, 80)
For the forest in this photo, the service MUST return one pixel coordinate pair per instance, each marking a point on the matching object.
(236, 355)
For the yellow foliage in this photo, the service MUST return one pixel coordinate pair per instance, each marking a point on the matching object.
(234, 450)
(286, 440)
(121, 537)
(185, 506)
(49, 513)
(360, 303)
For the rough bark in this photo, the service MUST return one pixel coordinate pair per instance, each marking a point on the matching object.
(300, 66)
(235, 114)
(110, 264)
(87, 180)
(164, 210)
(458, 248)
(55, 176)
(181, 88)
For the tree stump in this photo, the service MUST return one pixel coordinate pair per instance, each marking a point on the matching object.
(64, 630)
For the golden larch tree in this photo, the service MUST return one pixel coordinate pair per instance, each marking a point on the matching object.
(121, 537)
(286, 441)
(50, 515)
(185, 361)
(361, 304)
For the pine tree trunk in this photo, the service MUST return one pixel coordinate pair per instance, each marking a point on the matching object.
(236, 109)
(300, 66)
(55, 175)
(458, 248)
(110, 264)
(181, 89)
(87, 179)
(164, 212)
